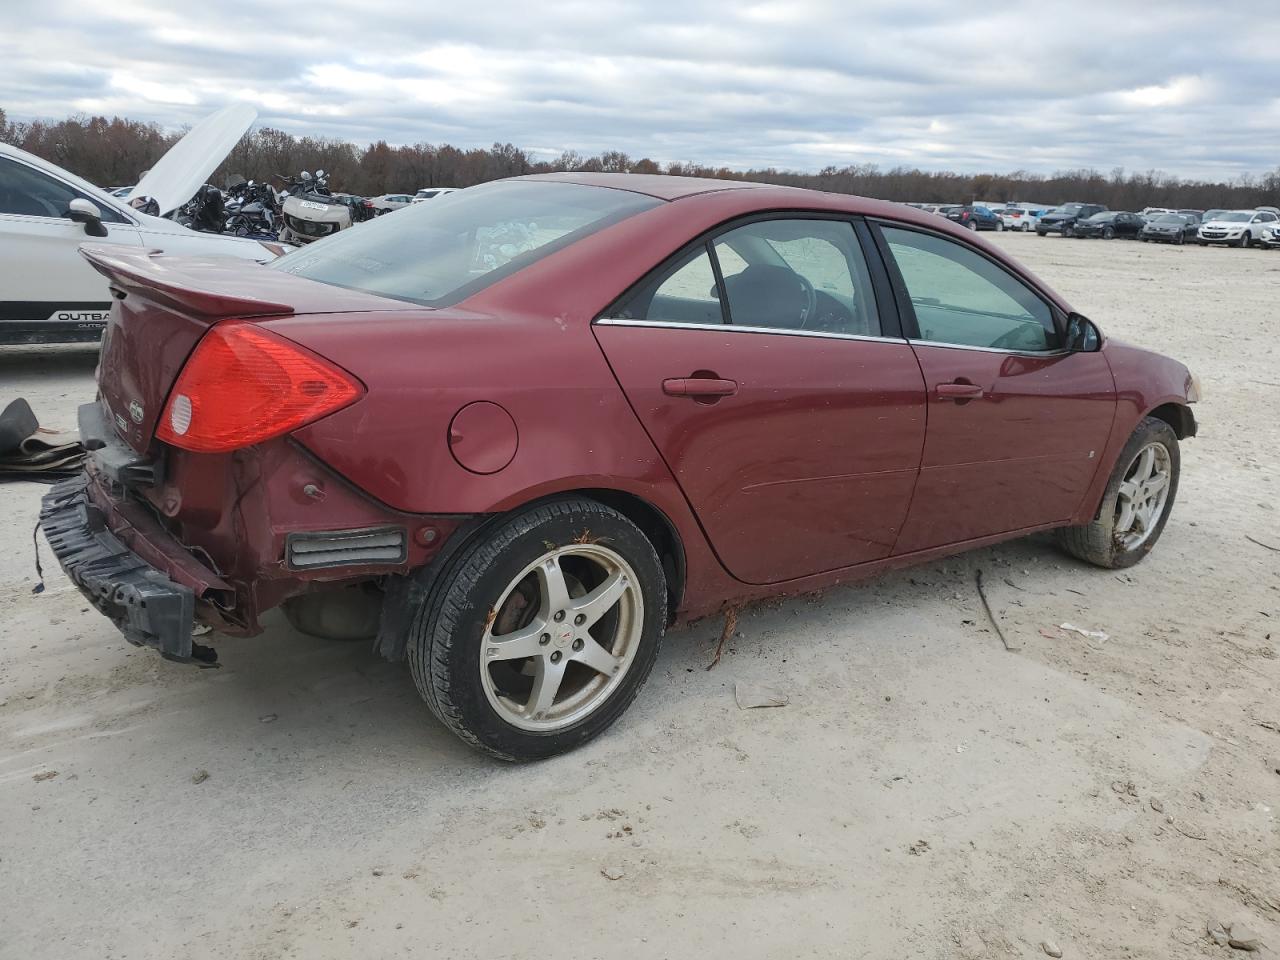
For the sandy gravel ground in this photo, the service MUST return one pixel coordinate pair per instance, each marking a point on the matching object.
(925, 794)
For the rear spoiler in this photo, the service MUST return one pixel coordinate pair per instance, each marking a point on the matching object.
(191, 285)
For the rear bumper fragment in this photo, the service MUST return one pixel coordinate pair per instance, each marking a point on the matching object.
(144, 604)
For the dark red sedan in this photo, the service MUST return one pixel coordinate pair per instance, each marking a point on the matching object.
(517, 432)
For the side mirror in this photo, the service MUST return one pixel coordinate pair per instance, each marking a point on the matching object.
(85, 211)
(1082, 335)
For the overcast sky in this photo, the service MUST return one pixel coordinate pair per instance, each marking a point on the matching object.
(1191, 88)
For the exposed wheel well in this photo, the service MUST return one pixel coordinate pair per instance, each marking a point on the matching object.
(1178, 416)
(655, 525)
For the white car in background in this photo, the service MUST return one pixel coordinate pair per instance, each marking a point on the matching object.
(1022, 217)
(1238, 228)
(391, 201)
(48, 292)
(430, 193)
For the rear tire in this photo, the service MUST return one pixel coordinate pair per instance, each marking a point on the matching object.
(1130, 520)
(1026, 227)
(999, 226)
(973, 225)
(501, 589)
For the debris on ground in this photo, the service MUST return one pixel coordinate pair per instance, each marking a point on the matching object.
(752, 696)
(1240, 935)
(1051, 948)
(1098, 635)
(919, 847)
(1157, 804)
(611, 873)
(986, 605)
(45, 775)
(730, 624)
(1261, 544)
(268, 718)
(200, 776)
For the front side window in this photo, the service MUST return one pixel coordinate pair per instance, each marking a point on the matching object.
(962, 298)
(442, 252)
(797, 274)
(27, 192)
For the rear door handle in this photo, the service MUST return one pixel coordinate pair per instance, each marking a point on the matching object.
(959, 391)
(699, 387)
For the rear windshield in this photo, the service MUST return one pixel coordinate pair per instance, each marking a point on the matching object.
(1170, 218)
(442, 252)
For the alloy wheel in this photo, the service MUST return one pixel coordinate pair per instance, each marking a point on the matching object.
(1142, 496)
(561, 637)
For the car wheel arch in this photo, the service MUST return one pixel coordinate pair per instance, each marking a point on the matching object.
(1177, 415)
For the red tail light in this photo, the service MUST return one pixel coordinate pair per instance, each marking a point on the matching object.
(243, 385)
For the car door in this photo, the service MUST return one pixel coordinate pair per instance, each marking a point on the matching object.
(773, 380)
(1017, 424)
(44, 282)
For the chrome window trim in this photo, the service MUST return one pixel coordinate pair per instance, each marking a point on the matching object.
(737, 328)
(1060, 352)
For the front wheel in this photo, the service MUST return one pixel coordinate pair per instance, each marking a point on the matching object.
(1136, 503)
(1026, 227)
(1108, 233)
(1068, 231)
(1246, 240)
(973, 225)
(999, 226)
(1179, 238)
(542, 630)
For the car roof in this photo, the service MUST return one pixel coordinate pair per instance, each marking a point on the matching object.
(657, 185)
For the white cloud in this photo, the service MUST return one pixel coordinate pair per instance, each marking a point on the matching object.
(786, 83)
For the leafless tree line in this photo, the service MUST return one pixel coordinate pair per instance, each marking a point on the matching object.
(116, 151)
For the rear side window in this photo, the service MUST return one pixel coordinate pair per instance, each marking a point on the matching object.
(684, 292)
(797, 275)
(442, 252)
(962, 298)
(27, 192)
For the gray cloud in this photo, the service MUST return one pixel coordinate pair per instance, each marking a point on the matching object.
(1185, 87)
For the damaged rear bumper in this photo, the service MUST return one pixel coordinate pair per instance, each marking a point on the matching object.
(145, 605)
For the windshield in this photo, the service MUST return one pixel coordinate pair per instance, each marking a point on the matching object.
(1234, 216)
(1170, 218)
(1102, 217)
(1069, 208)
(441, 252)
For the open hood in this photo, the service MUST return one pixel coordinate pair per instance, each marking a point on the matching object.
(191, 161)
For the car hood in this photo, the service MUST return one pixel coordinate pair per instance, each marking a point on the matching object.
(188, 164)
(1224, 224)
(1052, 217)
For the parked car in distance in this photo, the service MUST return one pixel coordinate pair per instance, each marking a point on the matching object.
(1150, 213)
(1270, 236)
(391, 201)
(383, 421)
(1064, 218)
(1212, 215)
(975, 217)
(1020, 218)
(1239, 228)
(1275, 210)
(1175, 228)
(119, 192)
(430, 193)
(1110, 224)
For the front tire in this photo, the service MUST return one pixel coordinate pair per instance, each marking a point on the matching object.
(1068, 231)
(973, 225)
(1246, 240)
(1136, 504)
(1108, 233)
(542, 630)
(999, 226)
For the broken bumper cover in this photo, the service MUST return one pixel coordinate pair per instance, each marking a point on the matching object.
(144, 604)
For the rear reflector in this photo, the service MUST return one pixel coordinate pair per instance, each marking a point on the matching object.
(243, 385)
(344, 548)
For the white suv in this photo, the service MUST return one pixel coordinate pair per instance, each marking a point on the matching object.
(1239, 228)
